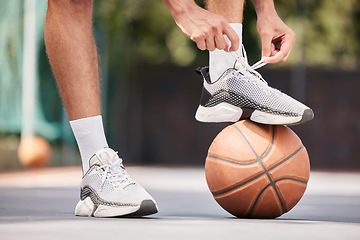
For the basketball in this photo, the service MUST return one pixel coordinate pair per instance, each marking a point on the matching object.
(34, 152)
(257, 171)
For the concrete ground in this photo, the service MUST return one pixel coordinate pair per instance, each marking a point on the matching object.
(39, 204)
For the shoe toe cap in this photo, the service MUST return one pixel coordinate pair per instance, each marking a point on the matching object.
(307, 115)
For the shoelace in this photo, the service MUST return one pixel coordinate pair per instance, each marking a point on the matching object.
(250, 69)
(114, 172)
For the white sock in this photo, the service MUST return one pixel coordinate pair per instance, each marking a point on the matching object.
(90, 137)
(219, 60)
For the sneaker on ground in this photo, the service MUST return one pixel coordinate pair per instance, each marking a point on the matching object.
(241, 92)
(108, 191)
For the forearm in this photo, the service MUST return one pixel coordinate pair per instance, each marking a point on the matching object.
(178, 8)
(264, 7)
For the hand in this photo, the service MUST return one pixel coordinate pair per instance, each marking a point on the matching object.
(208, 30)
(277, 39)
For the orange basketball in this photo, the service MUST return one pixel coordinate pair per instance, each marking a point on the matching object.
(34, 152)
(257, 171)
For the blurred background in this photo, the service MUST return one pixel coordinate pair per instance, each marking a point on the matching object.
(150, 90)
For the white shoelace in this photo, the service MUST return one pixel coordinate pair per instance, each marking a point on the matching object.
(250, 69)
(114, 172)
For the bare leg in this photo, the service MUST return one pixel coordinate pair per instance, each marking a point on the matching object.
(72, 53)
(232, 10)
(73, 57)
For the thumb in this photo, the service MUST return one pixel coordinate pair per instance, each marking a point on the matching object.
(232, 37)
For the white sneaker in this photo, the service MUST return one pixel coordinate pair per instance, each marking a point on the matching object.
(108, 191)
(241, 93)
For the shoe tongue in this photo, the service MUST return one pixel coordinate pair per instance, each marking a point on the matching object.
(102, 156)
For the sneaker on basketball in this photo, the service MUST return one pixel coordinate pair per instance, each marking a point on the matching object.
(108, 191)
(241, 92)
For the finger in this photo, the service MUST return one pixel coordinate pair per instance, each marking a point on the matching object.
(266, 46)
(201, 44)
(220, 42)
(276, 58)
(284, 52)
(210, 43)
(233, 38)
(287, 45)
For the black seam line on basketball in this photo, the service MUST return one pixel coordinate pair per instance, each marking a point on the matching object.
(287, 158)
(262, 191)
(283, 208)
(230, 161)
(272, 183)
(258, 159)
(290, 178)
(248, 142)
(257, 199)
(252, 148)
(215, 194)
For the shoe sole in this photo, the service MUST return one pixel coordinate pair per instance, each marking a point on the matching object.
(86, 208)
(225, 112)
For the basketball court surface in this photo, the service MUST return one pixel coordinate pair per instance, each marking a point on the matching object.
(39, 204)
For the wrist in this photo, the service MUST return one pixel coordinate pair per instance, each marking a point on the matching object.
(264, 8)
(178, 8)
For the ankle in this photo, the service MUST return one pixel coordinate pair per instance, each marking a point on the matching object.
(90, 137)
